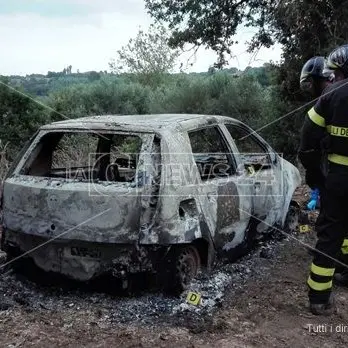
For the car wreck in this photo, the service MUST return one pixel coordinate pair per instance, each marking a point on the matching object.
(167, 194)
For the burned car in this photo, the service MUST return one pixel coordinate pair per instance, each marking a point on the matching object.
(167, 194)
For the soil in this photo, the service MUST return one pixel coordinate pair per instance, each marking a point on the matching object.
(259, 301)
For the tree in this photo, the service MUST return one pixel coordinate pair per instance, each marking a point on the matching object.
(211, 70)
(303, 27)
(20, 116)
(147, 55)
(93, 76)
(209, 23)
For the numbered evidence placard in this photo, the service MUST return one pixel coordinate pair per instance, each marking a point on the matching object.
(194, 298)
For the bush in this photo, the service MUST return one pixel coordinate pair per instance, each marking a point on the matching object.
(20, 116)
(100, 98)
(219, 93)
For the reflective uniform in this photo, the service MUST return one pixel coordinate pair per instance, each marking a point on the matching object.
(326, 129)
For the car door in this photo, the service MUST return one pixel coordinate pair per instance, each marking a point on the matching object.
(259, 160)
(223, 197)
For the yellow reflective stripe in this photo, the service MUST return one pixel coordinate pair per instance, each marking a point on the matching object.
(330, 64)
(338, 159)
(321, 271)
(319, 286)
(316, 118)
(344, 250)
(338, 131)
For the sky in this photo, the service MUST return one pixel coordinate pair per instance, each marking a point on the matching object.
(37, 36)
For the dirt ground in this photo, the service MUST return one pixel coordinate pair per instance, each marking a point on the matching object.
(266, 309)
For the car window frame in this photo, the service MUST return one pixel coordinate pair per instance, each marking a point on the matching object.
(27, 152)
(269, 152)
(232, 162)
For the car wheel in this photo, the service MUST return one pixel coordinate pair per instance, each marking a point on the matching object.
(292, 218)
(184, 265)
(187, 266)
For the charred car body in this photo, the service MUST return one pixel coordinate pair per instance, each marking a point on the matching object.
(159, 193)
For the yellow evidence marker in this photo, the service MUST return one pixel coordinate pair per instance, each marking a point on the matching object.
(304, 228)
(194, 298)
(251, 170)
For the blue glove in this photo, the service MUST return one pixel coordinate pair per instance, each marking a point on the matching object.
(313, 200)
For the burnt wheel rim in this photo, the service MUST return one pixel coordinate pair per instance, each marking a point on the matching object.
(187, 265)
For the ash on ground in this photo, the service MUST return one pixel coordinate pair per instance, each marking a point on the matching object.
(144, 307)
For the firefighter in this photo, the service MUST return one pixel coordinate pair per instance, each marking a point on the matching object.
(326, 130)
(312, 79)
(313, 82)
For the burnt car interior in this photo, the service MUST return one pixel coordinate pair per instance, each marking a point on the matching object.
(85, 156)
(253, 153)
(211, 154)
(213, 158)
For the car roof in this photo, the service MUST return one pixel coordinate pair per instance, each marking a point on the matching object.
(150, 122)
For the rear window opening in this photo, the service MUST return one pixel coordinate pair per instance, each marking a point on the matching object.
(85, 156)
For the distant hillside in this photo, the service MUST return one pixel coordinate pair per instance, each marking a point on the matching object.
(43, 85)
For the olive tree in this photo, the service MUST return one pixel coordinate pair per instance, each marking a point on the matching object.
(147, 56)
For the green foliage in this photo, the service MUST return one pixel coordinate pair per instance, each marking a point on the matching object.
(261, 74)
(304, 28)
(221, 93)
(209, 23)
(283, 123)
(148, 56)
(19, 117)
(99, 98)
(130, 146)
(247, 97)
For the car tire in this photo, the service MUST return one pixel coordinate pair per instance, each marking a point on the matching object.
(292, 218)
(184, 265)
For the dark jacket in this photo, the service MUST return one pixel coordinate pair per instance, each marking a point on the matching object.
(325, 130)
